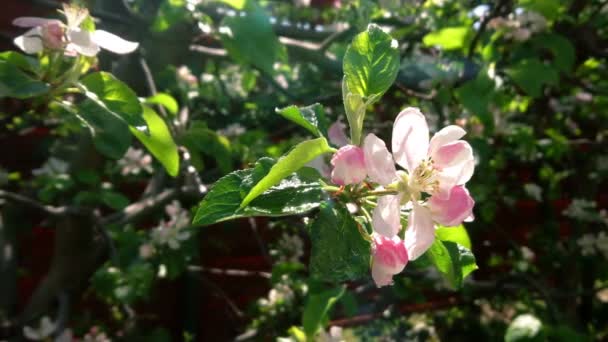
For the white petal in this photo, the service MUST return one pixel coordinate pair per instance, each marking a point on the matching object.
(410, 138)
(420, 233)
(378, 160)
(33, 21)
(81, 41)
(113, 42)
(455, 175)
(386, 218)
(445, 136)
(31, 41)
(452, 154)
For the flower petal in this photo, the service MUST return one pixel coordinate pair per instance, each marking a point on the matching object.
(452, 154)
(454, 210)
(113, 42)
(81, 41)
(31, 41)
(378, 160)
(445, 136)
(34, 21)
(348, 165)
(452, 176)
(389, 258)
(386, 218)
(336, 134)
(410, 138)
(420, 232)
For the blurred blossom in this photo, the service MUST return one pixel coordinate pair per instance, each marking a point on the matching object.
(95, 335)
(44, 329)
(290, 248)
(171, 233)
(134, 162)
(601, 243)
(320, 165)
(185, 75)
(582, 210)
(527, 254)
(333, 335)
(521, 25)
(232, 130)
(146, 251)
(582, 96)
(280, 294)
(52, 167)
(336, 134)
(66, 336)
(587, 244)
(534, 191)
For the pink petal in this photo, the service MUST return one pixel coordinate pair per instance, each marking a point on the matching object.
(410, 138)
(34, 21)
(420, 233)
(454, 210)
(113, 42)
(389, 258)
(348, 165)
(336, 134)
(455, 175)
(379, 162)
(445, 136)
(452, 154)
(386, 218)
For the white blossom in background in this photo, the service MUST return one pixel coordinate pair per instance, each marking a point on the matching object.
(232, 130)
(54, 34)
(587, 244)
(44, 329)
(172, 233)
(94, 335)
(52, 167)
(290, 248)
(582, 210)
(601, 243)
(333, 335)
(146, 251)
(281, 293)
(184, 74)
(134, 162)
(534, 191)
(521, 25)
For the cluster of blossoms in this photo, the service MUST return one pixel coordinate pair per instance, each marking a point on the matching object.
(430, 187)
(134, 162)
(171, 233)
(53, 34)
(521, 25)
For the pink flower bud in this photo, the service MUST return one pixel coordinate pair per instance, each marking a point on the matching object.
(348, 165)
(454, 209)
(52, 35)
(336, 134)
(389, 258)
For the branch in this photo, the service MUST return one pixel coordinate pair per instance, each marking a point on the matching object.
(48, 209)
(484, 24)
(229, 272)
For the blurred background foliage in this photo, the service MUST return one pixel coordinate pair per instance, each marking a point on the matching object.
(527, 79)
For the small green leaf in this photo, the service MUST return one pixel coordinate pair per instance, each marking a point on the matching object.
(456, 234)
(339, 251)
(449, 38)
(114, 200)
(236, 4)
(310, 117)
(204, 140)
(159, 141)
(164, 100)
(22, 61)
(296, 194)
(371, 63)
(111, 135)
(297, 333)
(452, 260)
(16, 83)
(250, 39)
(531, 75)
(355, 107)
(116, 97)
(550, 9)
(288, 164)
(317, 310)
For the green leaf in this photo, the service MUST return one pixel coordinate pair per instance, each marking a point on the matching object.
(22, 61)
(371, 63)
(114, 200)
(476, 94)
(297, 333)
(560, 47)
(111, 135)
(525, 328)
(296, 194)
(355, 107)
(448, 38)
(339, 251)
(288, 164)
(236, 4)
(456, 234)
(550, 9)
(116, 97)
(249, 38)
(310, 117)
(164, 100)
(159, 141)
(317, 309)
(16, 83)
(531, 75)
(204, 140)
(452, 260)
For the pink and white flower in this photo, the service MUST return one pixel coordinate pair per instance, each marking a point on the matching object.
(438, 167)
(389, 258)
(348, 165)
(54, 34)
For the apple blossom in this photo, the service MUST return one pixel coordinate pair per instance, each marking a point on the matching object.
(438, 167)
(389, 258)
(54, 34)
(348, 165)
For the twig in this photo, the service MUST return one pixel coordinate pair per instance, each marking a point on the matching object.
(229, 272)
(209, 51)
(483, 25)
(49, 209)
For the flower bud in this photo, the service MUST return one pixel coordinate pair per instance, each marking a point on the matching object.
(52, 35)
(454, 209)
(348, 165)
(389, 258)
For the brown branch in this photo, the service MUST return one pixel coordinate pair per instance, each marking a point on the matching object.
(49, 209)
(229, 272)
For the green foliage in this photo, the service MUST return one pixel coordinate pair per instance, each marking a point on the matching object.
(449, 38)
(310, 117)
(115, 98)
(14, 82)
(298, 193)
(159, 141)
(531, 75)
(317, 309)
(371, 63)
(339, 251)
(295, 159)
(164, 100)
(199, 138)
(111, 135)
(456, 234)
(452, 260)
